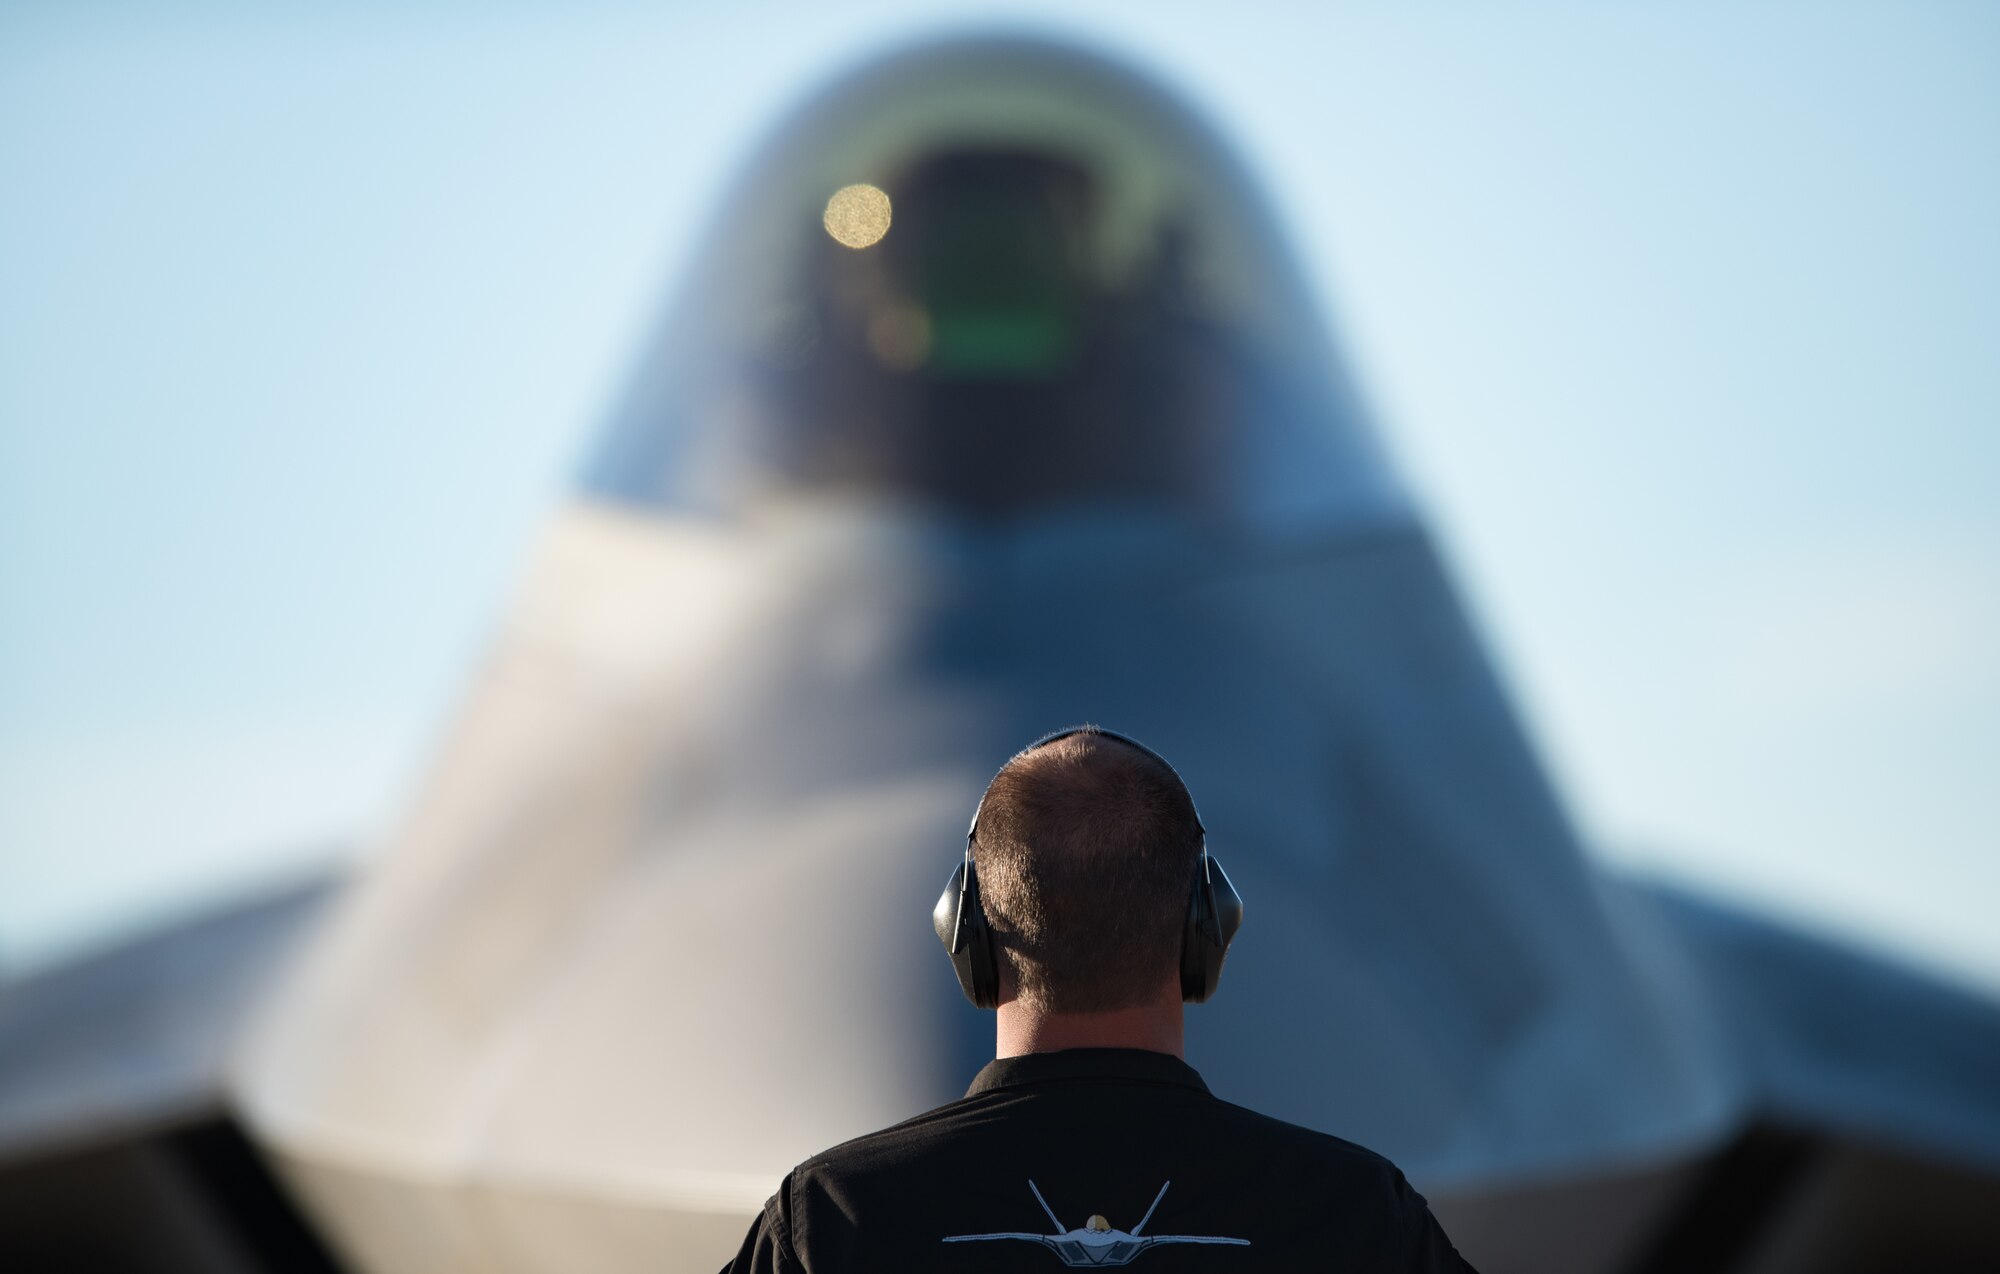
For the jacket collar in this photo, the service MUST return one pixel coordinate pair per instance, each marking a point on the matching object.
(1116, 1065)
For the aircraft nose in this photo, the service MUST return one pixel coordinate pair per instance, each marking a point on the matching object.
(996, 277)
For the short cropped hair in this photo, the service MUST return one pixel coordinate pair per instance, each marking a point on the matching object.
(1086, 851)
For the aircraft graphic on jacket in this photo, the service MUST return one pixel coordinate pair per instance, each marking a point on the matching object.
(1095, 1243)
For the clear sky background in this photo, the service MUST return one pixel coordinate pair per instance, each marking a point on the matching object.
(1682, 321)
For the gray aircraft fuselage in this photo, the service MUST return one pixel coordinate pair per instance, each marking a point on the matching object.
(1063, 441)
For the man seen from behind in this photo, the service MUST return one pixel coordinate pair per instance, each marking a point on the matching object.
(1087, 911)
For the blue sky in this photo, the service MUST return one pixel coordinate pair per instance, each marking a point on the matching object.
(1680, 319)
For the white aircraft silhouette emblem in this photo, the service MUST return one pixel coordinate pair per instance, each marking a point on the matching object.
(1096, 1243)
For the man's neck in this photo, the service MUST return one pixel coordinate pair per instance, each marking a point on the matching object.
(1157, 1028)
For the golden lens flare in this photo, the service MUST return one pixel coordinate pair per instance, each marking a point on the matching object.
(857, 215)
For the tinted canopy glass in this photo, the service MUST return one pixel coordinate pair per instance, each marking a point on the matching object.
(996, 277)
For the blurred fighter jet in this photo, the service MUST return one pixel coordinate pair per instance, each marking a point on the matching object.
(993, 402)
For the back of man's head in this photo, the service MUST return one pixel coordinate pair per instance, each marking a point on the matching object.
(1086, 851)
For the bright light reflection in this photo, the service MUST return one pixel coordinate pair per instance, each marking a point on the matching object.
(857, 215)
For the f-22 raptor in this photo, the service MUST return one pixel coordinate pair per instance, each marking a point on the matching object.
(992, 400)
(1096, 1243)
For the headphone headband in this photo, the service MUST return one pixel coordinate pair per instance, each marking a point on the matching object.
(972, 829)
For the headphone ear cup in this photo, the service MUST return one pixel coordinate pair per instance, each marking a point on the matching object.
(1215, 913)
(960, 923)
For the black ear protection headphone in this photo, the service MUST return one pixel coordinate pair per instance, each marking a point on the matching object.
(1215, 909)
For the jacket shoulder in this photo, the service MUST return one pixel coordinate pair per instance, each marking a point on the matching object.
(1309, 1143)
(912, 1136)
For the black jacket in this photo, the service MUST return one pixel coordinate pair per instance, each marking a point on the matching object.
(1095, 1158)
